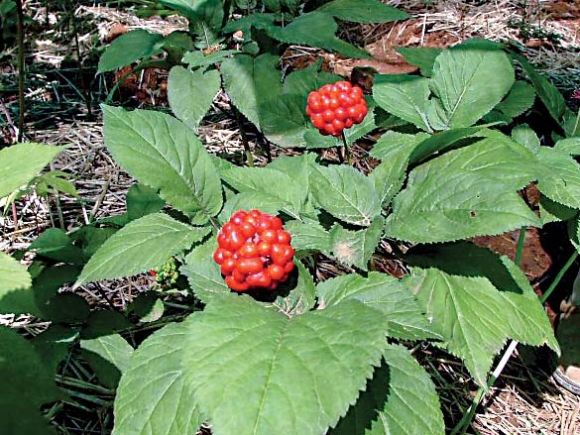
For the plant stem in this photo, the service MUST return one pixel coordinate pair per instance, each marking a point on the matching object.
(461, 427)
(559, 277)
(245, 142)
(215, 223)
(575, 130)
(520, 246)
(347, 155)
(86, 90)
(21, 67)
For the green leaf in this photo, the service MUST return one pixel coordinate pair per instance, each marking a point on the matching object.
(400, 398)
(27, 384)
(468, 83)
(442, 141)
(267, 181)
(300, 32)
(570, 146)
(245, 24)
(140, 246)
(196, 59)
(570, 123)
(54, 344)
(355, 248)
(524, 317)
(297, 167)
(246, 4)
(90, 238)
(551, 211)
(284, 121)
(251, 82)
(308, 236)
(265, 202)
(523, 134)
(404, 96)
(236, 352)
(66, 308)
(50, 181)
(14, 283)
(477, 300)
(393, 144)
(153, 396)
(548, 93)
(142, 200)
(176, 44)
(359, 130)
(301, 297)
(205, 18)
(423, 57)
(306, 80)
(52, 305)
(345, 193)
(362, 11)
(465, 193)
(402, 316)
(55, 244)
(203, 273)
(160, 151)
(520, 98)
(104, 322)
(20, 163)
(467, 312)
(108, 356)
(190, 93)
(147, 307)
(388, 177)
(558, 176)
(128, 48)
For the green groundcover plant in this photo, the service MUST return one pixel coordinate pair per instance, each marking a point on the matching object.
(307, 356)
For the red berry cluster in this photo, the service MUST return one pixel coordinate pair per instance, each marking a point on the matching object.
(335, 107)
(254, 251)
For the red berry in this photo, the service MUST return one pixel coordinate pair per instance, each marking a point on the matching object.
(239, 286)
(247, 229)
(284, 237)
(248, 250)
(254, 251)
(264, 248)
(269, 236)
(334, 107)
(338, 125)
(250, 265)
(317, 120)
(228, 266)
(221, 254)
(276, 271)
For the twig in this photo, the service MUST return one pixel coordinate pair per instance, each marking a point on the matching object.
(86, 91)
(240, 120)
(21, 72)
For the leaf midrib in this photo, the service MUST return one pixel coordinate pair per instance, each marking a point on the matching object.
(180, 176)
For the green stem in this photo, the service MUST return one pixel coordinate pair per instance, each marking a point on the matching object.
(559, 277)
(21, 67)
(575, 130)
(215, 223)
(245, 141)
(520, 247)
(347, 154)
(86, 90)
